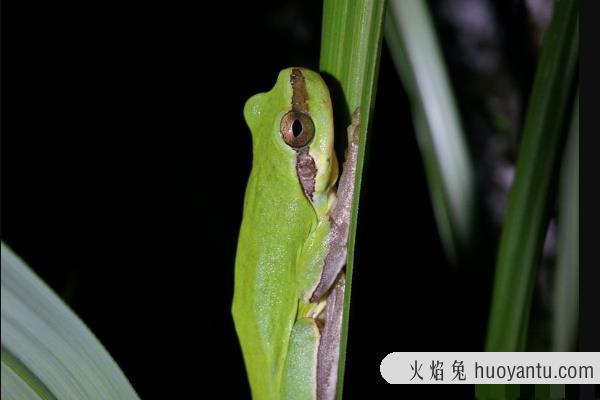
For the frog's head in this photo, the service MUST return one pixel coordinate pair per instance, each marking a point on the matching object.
(294, 121)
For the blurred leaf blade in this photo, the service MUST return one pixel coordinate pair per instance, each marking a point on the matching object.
(350, 49)
(413, 43)
(566, 285)
(46, 348)
(19, 382)
(532, 193)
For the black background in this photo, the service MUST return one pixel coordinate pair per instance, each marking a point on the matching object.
(124, 163)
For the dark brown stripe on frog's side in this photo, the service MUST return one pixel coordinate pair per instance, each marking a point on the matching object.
(299, 93)
(306, 168)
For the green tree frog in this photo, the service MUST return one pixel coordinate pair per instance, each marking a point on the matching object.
(289, 279)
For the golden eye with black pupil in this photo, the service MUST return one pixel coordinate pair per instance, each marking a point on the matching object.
(297, 129)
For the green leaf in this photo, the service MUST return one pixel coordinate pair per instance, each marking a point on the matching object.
(566, 280)
(411, 38)
(533, 191)
(350, 49)
(47, 351)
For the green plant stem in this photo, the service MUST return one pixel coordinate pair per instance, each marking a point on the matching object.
(350, 49)
(566, 280)
(533, 191)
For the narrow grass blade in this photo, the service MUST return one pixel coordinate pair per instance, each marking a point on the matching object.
(350, 49)
(47, 352)
(411, 38)
(566, 280)
(533, 193)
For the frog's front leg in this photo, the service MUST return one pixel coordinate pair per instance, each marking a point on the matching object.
(340, 215)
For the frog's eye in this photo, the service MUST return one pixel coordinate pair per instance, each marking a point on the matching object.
(297, 129)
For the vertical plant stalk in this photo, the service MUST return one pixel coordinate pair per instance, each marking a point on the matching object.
(411, 38)
(350, 50)
(533, 191)
(566, 280)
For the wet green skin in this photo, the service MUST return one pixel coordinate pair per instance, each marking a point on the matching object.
(282, 245)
